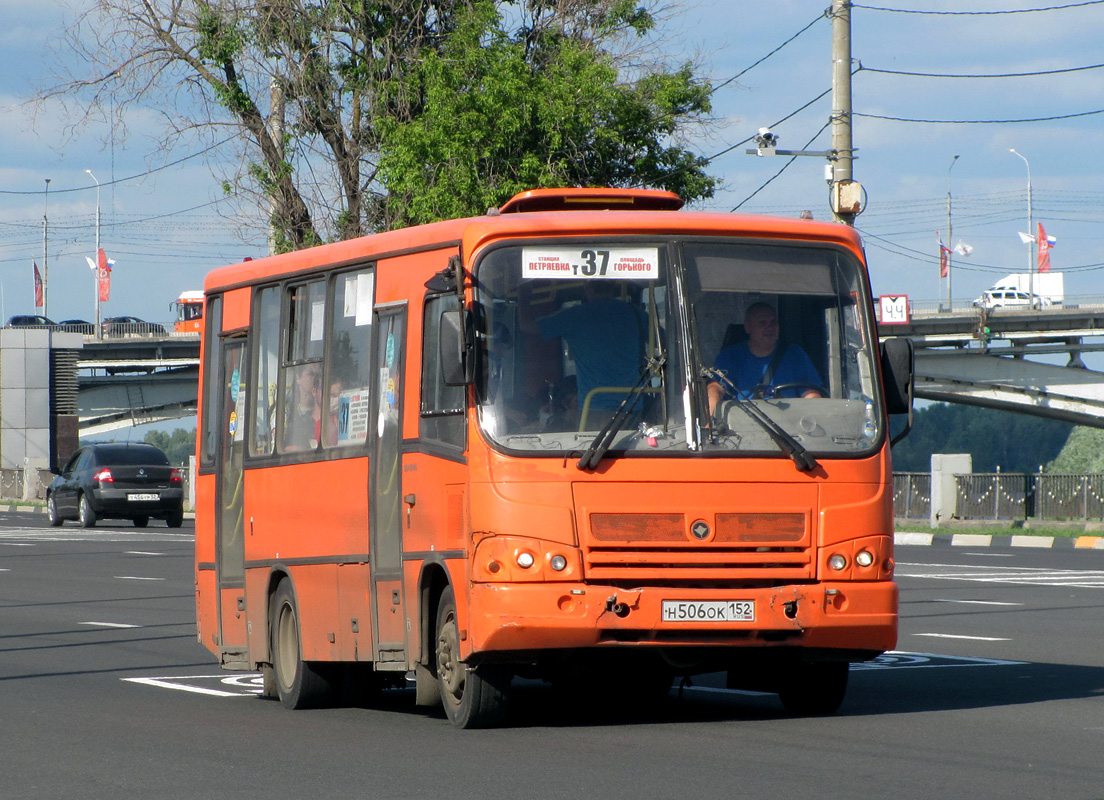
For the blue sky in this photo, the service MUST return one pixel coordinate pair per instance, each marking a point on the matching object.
(160, 224)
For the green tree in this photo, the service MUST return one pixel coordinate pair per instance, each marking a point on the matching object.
(995, 439)
(178, 445)
(343, 117)
(1083, 452)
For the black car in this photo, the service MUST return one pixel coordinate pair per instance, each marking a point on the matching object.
(117, 481)
(77, 326)
(122, 326)
(31, 321)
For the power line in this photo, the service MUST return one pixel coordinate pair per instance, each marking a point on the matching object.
(784, 166)
(979, 13)
(864, 68)
(132, 177)
(979, 121)
(737, 76)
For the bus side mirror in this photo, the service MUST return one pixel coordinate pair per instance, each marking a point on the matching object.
(898, 374)
(457, 364)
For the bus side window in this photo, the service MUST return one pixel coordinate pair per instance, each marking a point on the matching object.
(442, 407)
(346, 385)
(300, 397)
(266, 369)
(211, 407)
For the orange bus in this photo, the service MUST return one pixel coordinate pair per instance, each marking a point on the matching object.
(189, 312)
(490, 448)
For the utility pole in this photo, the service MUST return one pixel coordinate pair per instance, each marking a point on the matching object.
(1032, 244)
(846, 194)
(96, 258)
(950, 233)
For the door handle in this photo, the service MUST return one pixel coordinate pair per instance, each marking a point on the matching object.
(409, 500)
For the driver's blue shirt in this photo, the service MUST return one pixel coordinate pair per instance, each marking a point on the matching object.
(746, 370)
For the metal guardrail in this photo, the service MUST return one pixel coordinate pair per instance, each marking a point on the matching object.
(1006, 496)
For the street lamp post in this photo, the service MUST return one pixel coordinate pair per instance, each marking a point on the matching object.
(96, 256)
(46, 252)
(1032, 250)
(950, 236)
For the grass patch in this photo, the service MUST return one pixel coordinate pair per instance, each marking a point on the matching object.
(1064, 530)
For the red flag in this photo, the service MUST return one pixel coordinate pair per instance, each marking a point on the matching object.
(944, 259)
(1044, 250)
(103, 275)
(38, 285)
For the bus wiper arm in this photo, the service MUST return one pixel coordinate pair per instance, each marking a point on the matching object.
(779, 435)
(601, 443)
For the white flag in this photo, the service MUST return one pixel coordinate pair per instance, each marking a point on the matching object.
(963, 249)
(1026, 237)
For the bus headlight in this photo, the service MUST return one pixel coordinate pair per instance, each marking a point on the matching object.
(837, 562)
(506, 559)
(864, 558)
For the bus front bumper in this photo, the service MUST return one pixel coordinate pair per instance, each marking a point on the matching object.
(858, 616)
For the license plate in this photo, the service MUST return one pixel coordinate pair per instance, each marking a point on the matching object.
(140, 496)
(709, 611)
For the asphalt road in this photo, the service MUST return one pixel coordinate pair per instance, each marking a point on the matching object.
(996, 690)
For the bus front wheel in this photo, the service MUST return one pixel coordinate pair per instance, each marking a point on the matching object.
(473, 696)
(299, 684)
(814, 689)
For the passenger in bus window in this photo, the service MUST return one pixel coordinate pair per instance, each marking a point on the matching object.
(337, 386)
(755, 365)
(304, 413)
(605, 335)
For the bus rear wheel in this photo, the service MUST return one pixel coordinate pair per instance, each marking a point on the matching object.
(473, 696)
(814, 689)
(299, 684)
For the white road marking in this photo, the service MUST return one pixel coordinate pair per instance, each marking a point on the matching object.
(978, 602)
(1029, 576)
(248, 684)
(899, 659)
(136, 578)
(970, 638)
(89, 535)
(141, 553)
(110, 624)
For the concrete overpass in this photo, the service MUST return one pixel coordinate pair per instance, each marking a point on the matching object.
(1025, 360)
(136, 380)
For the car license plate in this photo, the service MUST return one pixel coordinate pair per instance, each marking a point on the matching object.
(708, 611)
(140, 496)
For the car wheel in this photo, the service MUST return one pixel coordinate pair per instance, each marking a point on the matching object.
(52, 512)
(87, 514)
(141, 522)
(175, 518)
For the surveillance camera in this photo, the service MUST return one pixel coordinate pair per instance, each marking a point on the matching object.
(766, 138)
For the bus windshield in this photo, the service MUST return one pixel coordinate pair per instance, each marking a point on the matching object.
(715, 347)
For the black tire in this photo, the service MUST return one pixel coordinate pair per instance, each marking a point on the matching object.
(473, 696)
(141, 522)
(87, 516)
(52, 512)
(299, 684)
(175, 519)
(814, 689)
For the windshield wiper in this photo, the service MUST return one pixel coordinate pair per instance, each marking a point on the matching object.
(779, 435)
(601, 443)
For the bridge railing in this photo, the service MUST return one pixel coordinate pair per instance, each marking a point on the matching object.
(1006, 496)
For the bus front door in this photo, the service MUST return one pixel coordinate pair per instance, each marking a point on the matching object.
(230, 524)
(385, 492)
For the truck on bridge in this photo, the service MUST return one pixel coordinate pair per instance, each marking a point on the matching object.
(1017, 290)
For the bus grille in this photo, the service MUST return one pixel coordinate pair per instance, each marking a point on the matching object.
(730, 546)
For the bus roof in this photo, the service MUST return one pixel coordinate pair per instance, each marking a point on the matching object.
(190, 297)
(543, 212)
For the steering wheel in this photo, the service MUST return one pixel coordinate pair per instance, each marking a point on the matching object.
(772, 391)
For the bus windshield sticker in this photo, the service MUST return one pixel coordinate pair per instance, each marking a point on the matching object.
(612, 263)
(351, 296)
(318, 314)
